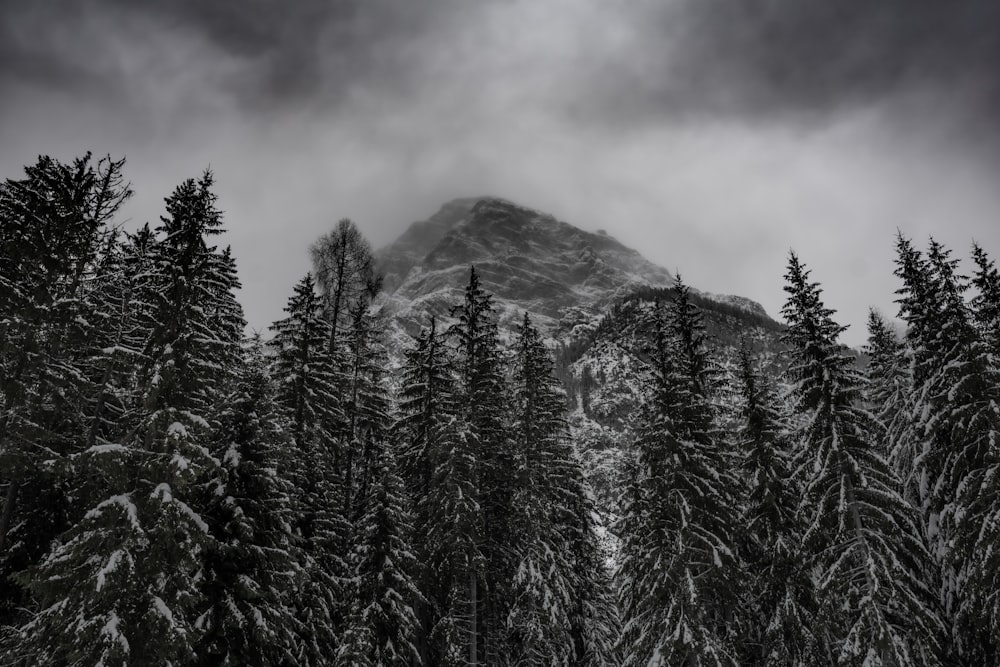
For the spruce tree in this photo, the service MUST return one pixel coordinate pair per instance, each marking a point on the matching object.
(426, 430)
(561, 611)
(986, 304)
(678, 556)
(308, 396)
(864, 537)
(137, 556)
(53, 235)
(889, 397)
(253, 565)
(366, 405)
(955, 390)
(780, 608)
(489, 465)
(383, 627)
(542, 590)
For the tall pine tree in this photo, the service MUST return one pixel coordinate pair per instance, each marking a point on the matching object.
(864, 537)
(678, 556)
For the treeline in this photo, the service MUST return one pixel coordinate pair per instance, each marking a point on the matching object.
(175, 494)
(843, 518)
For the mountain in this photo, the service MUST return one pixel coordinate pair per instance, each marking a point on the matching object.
(591, 295)
(529, 260)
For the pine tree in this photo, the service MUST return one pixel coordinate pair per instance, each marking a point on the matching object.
(864, 537)
(678, 560)
(426, 429)
(384, 625)
(308, 395)
(542, 590)
(888, 395)
(137, 556)
(252, 565)
(53, 234)
(366, 405)
(488, 457)
(986, 303)
(561, 611)
(780, 607)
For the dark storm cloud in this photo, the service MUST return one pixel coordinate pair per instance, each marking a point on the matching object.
(711, 134)
(813, 58)
(311, 51)
(821, 54)
(727, 57)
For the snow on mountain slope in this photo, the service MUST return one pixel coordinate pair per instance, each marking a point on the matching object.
(529, 261)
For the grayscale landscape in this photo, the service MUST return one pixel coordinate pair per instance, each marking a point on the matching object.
(499, 333)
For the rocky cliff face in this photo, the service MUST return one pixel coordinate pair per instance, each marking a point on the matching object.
(529, 260)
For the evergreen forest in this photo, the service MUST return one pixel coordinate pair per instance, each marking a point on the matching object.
(177, 492)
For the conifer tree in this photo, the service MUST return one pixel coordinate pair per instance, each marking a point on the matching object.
(561, 612)
(887, 393)
(427, 432)
(252, 566)
(488, 456)
(137, 556)
(542, 590)
(986, 303)
(864, 537)
(308, 396)
(366, 405)
(781, 613)
(678, 558)
(53, 233)
(955, 389)
(383, 624)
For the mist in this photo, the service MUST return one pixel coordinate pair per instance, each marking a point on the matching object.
(711, 138)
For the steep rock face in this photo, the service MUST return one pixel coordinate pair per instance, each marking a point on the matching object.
(419, 239)
(529, 261)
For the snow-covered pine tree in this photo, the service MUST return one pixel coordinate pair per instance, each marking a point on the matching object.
(541, 596)
(426, 430)
(480, 390)
(888, 395)
(594, 623)
(986, 304)
(453, 543)
(865, 538)
(780, 610)
(366, 404)
(561, 607)
(961, 427)
(137, 556)
(252, 568)
(678, 564)
(53, 233)
(308, 396)
(955, 391)
(383, 627)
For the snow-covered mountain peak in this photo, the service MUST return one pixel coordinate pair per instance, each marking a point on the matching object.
(529, 260)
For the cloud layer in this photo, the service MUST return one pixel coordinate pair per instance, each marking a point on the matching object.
(709, 136)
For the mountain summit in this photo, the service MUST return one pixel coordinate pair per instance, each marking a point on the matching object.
(528, 260)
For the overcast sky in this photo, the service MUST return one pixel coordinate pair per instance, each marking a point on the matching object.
(712, 135)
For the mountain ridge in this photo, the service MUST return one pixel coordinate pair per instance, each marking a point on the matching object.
(529, 260)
